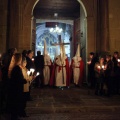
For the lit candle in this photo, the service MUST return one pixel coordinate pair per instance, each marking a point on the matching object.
(37, 74)
(32, 70)
(118, 60)
(98, 66)
(32, 59)
(103, 66)
(28, 72)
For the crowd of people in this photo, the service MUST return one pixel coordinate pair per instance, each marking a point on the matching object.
(18, 71)
(104, 74)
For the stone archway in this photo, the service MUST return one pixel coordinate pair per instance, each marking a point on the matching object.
(90, 24)
(27, 18)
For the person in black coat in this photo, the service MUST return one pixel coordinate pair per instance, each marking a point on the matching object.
(39, 65)
(116, 81)
(15, 95)
(109, 66)
(91, 72)
(6, 60)
(30, 64)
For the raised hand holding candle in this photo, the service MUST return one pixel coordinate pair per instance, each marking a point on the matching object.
(98, 66)
(28, 72)
(118, 60)
(32, 70)
(37, 74)
(32, 59)
(103, 66)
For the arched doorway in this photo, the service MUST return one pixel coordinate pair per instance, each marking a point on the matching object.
(79, 31)
(89, 26)
(79, 35)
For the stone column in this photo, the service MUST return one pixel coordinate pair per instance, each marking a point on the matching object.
(13, 24)
(33, 30)
(102, 26)
(3, 25)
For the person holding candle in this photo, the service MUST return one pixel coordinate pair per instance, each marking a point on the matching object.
(91, 72)
(99, 76)
(28, 78)
(15, 89)
(116, 82)
(109, 66)
(39, 66)
(30, 65)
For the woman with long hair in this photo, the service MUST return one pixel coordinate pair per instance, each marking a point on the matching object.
(16, 82)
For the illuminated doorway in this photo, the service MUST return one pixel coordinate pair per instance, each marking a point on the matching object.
(43, 33)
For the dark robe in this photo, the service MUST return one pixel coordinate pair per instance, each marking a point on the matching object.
(30, 63)
(39, 65)
(15, 96)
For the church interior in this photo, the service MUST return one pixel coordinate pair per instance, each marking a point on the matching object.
(92, 24)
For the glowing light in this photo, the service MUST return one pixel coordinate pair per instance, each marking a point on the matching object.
(37, 74)
(32, 70)
(28, 72)
(56, 29)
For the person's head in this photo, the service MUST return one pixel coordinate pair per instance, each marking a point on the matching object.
(101, 59)
(24, 62)
(91, 54)
(108, 57)
(30, 54)
(24, 53)
(13, 51)
(38, 53)
(18, 58)
(115, 54)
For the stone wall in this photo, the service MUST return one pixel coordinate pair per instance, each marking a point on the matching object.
(114, 25)
(3, 25)
(16, 31)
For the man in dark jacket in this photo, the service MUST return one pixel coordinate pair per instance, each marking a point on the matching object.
(91, 72)
(116, 81)
(30, 64)
(39, 65)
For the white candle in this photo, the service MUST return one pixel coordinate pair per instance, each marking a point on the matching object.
(98, 67)
(28, 72)
(103, 66)
(32, 59)
(37, 74)
(118, 60)
(32, 70)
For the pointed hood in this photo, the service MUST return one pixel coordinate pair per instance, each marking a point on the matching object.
(45, 48)
(62, 52)
(78, 51)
